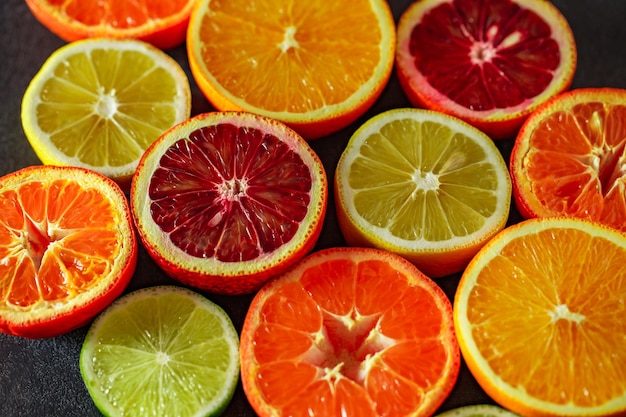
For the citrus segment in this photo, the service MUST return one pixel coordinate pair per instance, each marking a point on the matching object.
(424, 185)
(224, 201)
(477, 410)
(100, 103)
(161, 351)
(489, 63)
(569, 158)
(315, 65)
(349, 331)
(68, 249)
(161, 23)
(539, 317)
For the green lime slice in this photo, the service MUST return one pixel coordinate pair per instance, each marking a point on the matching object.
(479, 410)
(161, 351)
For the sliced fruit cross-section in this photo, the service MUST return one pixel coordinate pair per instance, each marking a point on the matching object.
(349, 332)
(490, 63)
(224, 201)
(67, 245)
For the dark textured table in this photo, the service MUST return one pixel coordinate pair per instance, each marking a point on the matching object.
(42, 378)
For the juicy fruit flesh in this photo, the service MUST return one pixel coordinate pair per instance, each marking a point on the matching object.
(567, 310)
(326, 338)
(576, 164)
(163, 352)
(296, 40)
(230, 199)
(56, 241)
(438, 183)
(120, 14)
(495, 55)
(104, 112)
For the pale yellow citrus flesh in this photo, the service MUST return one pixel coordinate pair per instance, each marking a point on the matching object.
(539, 315)
(100, 103)
(424, 185)
(308, 63)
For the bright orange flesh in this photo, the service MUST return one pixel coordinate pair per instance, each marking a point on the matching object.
(489, 63)
(569, 158)
(67, 246)
(349, 331)
(160, 22)
(315, 65)
(539, 314)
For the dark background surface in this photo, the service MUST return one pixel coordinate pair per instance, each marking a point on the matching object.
(42, 378)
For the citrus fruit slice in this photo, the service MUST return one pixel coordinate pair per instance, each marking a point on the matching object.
(539, 315)
(316, 65)
(490, 63)
(99, 103)
(67, 245)
(424, 185)
(161, 351)
(226, 200)
(477, 410)
(349, 332)
(162, 23)
(569, 158)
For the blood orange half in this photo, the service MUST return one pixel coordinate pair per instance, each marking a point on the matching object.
(67, 246)
(349, 332)
(490, 63)
(226, 200)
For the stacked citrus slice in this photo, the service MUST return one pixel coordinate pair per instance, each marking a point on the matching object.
(490, 63)
(99, 103)
(570, 158)
(316, 65)
(161, 23)
(349, 332)
(161, 351)
(424, 185)
(67, 246)
(224, 201)
(539, 315)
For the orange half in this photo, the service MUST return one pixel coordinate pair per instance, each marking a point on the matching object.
(349, 332)
(67, 246)
(162, 23)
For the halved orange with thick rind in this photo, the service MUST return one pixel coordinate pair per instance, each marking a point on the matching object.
(226, 200)
(315, 65)
(490, 63)
(349, 332)
(540, 318)
(67, 245)
(569, 158)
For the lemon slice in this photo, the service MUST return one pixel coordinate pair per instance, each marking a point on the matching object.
(161, 351)
(424, 185)
(478, 410)
(100, 103)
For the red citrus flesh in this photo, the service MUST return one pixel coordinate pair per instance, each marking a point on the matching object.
(489, 63)
(349, 332)
(226, 200)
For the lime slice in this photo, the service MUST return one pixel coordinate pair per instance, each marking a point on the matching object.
(161, 351)
(479, 410)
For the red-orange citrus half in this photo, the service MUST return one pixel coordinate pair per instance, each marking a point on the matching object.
(67, 245)
(490, 63)
(349, 332)
(226, 200)
(570, 158)
(162, 23)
